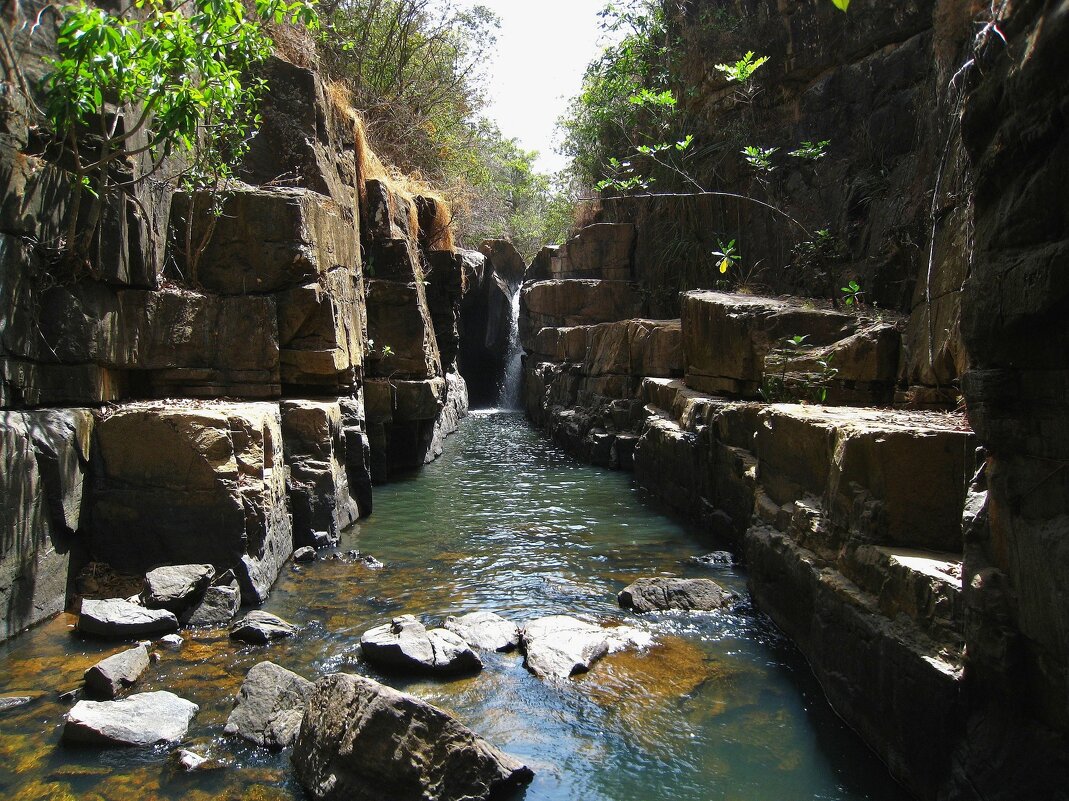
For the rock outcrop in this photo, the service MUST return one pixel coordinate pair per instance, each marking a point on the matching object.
(359, 736)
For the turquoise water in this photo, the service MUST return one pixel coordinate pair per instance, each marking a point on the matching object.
(720, 707)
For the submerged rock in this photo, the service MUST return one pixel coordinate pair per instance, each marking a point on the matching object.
(270, 706)
(259, 628)
(714, 559)
(189, 760)
(11, 701)
(559, 646)
(176, 587)
(107, 678)
(406, 644)
(485, 631)
(118, 619)
(361, 740)
(661, 593)
(142, 719)
(172, 641)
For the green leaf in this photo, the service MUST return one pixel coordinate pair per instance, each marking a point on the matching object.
(842, 5)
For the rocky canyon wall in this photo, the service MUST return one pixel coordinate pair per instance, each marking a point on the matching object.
(202, 387)
(916, 556)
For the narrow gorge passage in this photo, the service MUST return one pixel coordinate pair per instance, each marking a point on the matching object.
(720, 707)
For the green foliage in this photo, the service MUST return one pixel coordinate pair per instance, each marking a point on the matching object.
(811, 151)
(842, 5)
(727, 256)
(852, 294)
(159, 78)
(625, 99)
(760, 158)
(743, 69)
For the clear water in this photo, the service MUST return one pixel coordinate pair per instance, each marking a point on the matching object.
(720, 708)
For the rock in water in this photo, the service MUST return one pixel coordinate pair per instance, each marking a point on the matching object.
(270, 706)
(107, 678)
(305, 554)
(658, 594)
(714, 559)
(405, 644)
(176, 587)
(259, 628)
(118, 619)
(142, 719)
(362, 741)
(218, 607)
(11, 701)
(485, 631)
(558, 646)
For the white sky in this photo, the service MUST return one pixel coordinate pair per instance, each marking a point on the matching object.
(543, 48)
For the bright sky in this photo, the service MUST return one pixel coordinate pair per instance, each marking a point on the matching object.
(543, 48)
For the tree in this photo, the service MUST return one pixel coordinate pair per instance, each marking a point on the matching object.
(155, 79)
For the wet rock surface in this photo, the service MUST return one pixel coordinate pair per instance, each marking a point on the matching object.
(260, 628)
(115, 618)
(359, 736)
(661, 593)
(270, 706)
(485, 631)
(142, 719)
(560, 646)
(109, 677)
(405, 644)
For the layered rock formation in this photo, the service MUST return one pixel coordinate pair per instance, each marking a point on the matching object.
(922, 577)
(265, 353)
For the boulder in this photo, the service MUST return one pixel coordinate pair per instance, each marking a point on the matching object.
(193, 483)
(269, 706)
(305, 554)
(142, 719)
(115, 618)
(405, 644)
(107, 678)
(359, 737)
(714, 559)
(485, 631)
(260, 628)
(560, 646)
(218, 606)
(662, 593)
(176, 587)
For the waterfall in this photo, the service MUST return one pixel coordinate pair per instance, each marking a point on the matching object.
(508, 396)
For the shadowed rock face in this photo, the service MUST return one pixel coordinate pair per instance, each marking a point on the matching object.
(359, 736)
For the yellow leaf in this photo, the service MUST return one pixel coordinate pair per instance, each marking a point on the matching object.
(724, 264)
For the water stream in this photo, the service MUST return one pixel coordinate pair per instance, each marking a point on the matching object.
(720, 708)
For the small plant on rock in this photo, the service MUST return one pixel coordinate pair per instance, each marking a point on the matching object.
(852, 293)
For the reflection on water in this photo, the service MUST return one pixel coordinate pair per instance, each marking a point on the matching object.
(719, 708)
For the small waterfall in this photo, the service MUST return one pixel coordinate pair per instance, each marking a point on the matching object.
(508, 396)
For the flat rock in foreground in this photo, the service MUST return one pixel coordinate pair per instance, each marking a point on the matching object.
(485, 631)
(360, 738)
(270, 706)
(560, 646)
(115, 618)
(142, 719)
(405, 644)
(662, 593)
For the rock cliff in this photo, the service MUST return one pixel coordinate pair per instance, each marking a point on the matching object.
(210, 387)
(914, 553)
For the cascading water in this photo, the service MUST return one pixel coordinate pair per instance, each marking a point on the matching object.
(508, 396)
